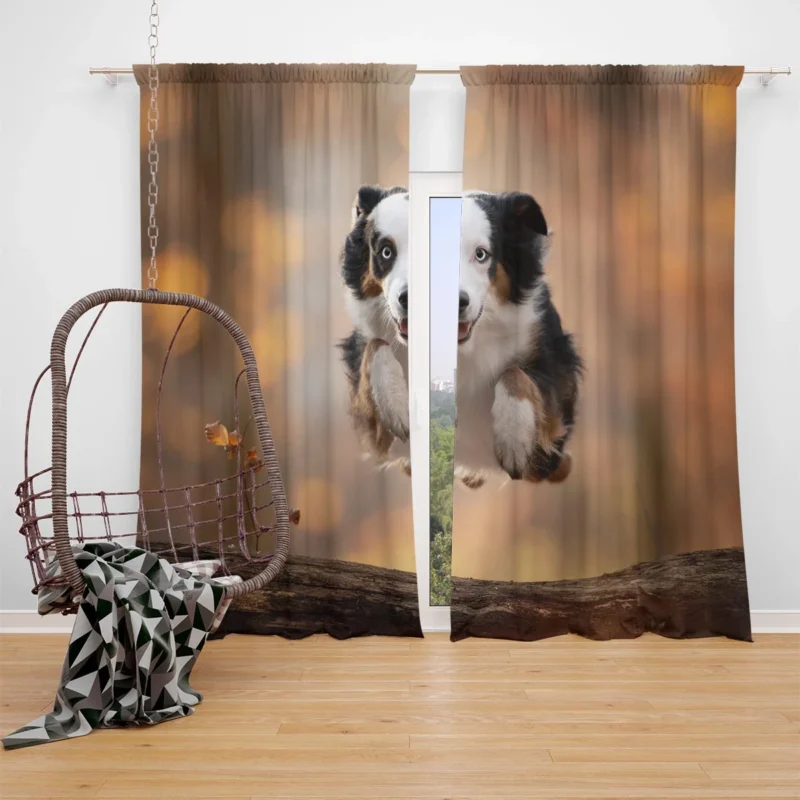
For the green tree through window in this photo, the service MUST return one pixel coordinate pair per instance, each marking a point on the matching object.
(445, 246)
(443, 419)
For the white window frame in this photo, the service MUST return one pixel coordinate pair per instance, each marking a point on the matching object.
(423, 187)
(436, 156)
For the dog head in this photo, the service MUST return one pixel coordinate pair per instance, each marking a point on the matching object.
(375, 263)
(504, 239)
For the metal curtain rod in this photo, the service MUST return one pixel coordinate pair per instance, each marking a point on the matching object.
(767, 73)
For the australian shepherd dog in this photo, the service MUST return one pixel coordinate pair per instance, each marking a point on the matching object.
(518, 370)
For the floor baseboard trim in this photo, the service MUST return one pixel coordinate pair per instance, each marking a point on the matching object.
(775, 621)
(31, 622)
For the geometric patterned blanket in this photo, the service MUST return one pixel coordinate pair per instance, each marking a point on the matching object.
(139, 629)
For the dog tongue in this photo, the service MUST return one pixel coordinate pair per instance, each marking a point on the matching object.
(404, 326)
(463, 330)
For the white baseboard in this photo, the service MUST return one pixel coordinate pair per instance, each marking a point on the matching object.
(31, 622)
(775, 621)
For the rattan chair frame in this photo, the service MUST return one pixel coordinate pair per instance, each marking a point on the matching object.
(60, 386)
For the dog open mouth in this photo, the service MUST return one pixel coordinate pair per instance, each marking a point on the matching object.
(465, 328)
(402, 327)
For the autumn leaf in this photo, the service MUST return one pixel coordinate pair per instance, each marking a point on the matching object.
(294, 516)
(217, 434)
(253, 461)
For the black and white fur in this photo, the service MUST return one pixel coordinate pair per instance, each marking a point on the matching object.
(518, 370)
(375, 267)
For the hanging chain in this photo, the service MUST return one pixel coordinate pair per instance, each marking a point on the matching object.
(152, 148)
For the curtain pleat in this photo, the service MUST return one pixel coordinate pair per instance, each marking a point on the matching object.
(399, 75)
(609, 75)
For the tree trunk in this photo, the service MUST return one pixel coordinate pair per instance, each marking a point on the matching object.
(685, 596)
(319, 595)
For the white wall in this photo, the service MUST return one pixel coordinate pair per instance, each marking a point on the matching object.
(69, 211)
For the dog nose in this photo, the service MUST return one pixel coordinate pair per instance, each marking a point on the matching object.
(463, 301)
(403, 299)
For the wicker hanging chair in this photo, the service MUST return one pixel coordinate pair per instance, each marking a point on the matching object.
(237, 502)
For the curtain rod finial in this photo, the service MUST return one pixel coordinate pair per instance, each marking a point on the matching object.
(111, 75)
(768, 76)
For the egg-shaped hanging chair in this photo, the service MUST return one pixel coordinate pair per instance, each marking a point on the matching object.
(179, 522)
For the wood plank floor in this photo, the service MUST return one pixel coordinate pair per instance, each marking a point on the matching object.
(399, 718)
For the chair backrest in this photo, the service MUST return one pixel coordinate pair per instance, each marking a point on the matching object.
(63, 546)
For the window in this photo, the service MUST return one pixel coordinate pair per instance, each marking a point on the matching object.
(436, 156)
(444, 234)
(435, 230)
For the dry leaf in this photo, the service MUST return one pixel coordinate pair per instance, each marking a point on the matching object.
(217, 434)
(294, 516)
(233, 443)
(253, 461)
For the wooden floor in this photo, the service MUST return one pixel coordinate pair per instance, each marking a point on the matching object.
(400, 718)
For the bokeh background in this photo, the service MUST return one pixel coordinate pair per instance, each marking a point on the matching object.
(259, 167)
(634, 169)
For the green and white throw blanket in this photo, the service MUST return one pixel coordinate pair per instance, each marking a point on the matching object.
(139, 630)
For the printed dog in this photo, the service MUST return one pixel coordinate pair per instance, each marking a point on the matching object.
(518, 370)
(375, 265)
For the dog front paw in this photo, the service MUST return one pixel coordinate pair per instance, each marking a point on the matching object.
(472, 479)
(514, 423)
(390, 392)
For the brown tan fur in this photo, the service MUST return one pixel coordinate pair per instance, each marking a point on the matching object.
(519, 384)
(501, 283)
(370, 285)
(549, 426)
(472, 480)
(563, 470)
(363, 409)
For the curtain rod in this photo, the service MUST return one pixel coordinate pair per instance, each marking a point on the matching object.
(767, 73)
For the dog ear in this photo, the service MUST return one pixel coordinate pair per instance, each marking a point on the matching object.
(366, 200)
(525, 211)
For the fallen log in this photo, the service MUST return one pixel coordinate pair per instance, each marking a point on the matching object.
(320, 595)
(690, 595)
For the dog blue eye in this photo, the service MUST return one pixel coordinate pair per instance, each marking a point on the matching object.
(386, 253)
(481, 255)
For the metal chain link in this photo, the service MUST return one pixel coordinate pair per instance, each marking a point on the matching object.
(152, 148)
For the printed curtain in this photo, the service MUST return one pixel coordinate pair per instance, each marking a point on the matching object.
(616, 508)
(282, 199)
